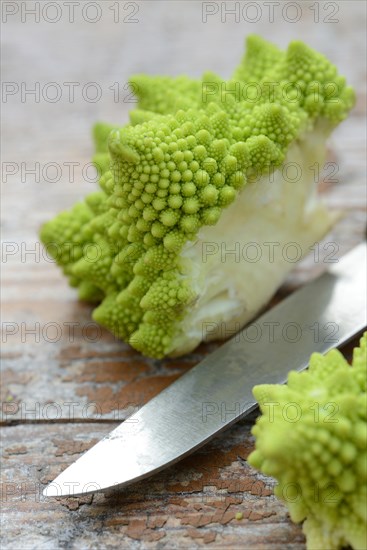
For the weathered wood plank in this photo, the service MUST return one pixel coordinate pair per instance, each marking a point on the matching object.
(191, 504)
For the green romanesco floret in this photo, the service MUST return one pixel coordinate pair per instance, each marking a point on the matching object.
(201, 171)
(312, 437)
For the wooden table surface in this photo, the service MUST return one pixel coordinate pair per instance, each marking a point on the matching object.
(64, 383)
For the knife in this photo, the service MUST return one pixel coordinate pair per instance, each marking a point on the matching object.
(218, 391)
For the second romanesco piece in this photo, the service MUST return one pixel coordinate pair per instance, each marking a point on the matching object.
(312, 437)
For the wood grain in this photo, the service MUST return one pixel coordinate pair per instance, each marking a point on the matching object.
(190, 504)
(61, 392)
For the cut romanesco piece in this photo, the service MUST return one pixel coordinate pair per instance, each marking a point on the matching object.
(202, 170)
(318, 451)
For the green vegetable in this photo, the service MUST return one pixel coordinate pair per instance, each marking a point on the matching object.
(312, 437)
(204, 168)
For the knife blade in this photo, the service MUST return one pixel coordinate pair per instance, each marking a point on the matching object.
(218, 391)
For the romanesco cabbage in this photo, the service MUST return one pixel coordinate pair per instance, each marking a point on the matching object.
(200, 170)
(318, 451)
